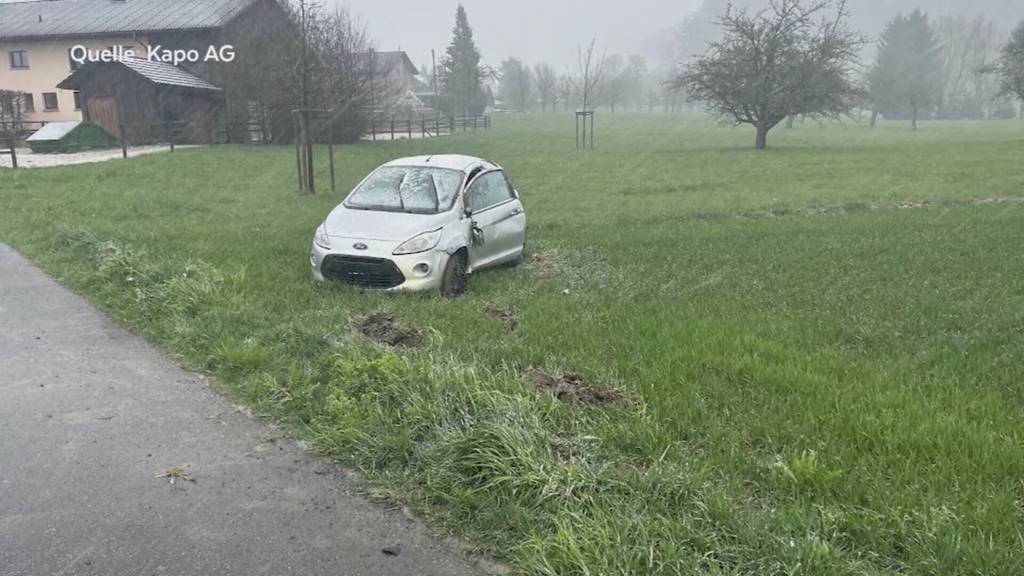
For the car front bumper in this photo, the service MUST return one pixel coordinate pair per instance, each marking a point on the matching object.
(376, 267)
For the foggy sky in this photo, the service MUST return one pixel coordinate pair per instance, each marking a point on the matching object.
(531, 30)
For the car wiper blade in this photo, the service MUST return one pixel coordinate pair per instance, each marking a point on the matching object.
(375, 208)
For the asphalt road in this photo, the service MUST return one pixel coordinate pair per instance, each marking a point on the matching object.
(90, 414)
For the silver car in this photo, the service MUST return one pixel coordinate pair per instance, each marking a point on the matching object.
(422, 223)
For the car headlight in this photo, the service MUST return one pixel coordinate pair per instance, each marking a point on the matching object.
(421, 243)
(322, 239)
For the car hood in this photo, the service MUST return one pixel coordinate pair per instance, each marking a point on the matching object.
(373, 225)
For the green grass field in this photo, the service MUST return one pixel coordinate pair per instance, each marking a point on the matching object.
(821, 345)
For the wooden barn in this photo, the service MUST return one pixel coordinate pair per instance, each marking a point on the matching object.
(148, 101)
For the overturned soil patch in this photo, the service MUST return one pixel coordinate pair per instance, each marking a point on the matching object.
(546, 263)
(570, 387)
(382, 328)
(504, 314)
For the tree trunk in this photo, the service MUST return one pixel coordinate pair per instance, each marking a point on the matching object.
(1022, 109)
(761, 141)
(874, 118)
(913, 120)
(790, 121)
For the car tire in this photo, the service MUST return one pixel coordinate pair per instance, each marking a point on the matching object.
(455, 277)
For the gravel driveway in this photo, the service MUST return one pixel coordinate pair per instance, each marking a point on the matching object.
(26, 159)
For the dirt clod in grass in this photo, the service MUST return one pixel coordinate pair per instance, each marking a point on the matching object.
(382, 328)
(546, 263)
(570, 387)
(504, 314)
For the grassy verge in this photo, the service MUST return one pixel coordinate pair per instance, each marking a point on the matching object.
(819, 345)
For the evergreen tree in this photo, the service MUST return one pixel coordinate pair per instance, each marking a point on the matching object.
(460, 70)
(1011, 66)
(907, 75)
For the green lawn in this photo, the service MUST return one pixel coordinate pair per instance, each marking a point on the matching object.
(821, 344)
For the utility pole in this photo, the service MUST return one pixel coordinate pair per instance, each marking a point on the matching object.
(433, 75)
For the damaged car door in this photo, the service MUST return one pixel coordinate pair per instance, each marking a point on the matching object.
(498, 220)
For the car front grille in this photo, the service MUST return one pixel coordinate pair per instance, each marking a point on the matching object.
(362, 272)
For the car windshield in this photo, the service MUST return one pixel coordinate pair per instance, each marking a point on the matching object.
(415, 189)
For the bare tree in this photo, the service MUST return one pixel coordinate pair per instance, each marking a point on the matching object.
(969, 48)
(796, 57)
(566, 91)
(613, 90)
(515, 85)
(12, 108)
(344, 82)
(1011, 66)
(546, 80)
(589, 74)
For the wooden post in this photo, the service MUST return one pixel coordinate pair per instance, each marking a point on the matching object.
(474, 123)
(437, 126)
(10, 145)
(298, 153)
(584, 128)
(227, 121)
(409, 126)
(392, 128)
(124, 141)
(310, 176)
(330, 157)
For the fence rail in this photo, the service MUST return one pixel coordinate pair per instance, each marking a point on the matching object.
(174, 133)
(409, 128)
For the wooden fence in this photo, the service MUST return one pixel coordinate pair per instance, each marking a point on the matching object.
(13, 134)
(408, 128)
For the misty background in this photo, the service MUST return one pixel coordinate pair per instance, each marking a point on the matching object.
(662, 31)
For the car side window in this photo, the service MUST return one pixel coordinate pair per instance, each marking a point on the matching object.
(488, 190)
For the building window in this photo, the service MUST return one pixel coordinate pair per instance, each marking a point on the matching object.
(50, 101)
(19, 59)
(78, 100)
(30, 103)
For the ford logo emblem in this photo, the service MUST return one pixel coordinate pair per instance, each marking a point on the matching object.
(360, 246)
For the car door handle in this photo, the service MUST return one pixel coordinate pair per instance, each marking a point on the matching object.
(517, 211)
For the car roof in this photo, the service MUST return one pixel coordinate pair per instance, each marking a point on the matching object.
(450, 161)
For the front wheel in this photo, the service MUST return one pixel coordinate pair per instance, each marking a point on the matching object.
(455, 278)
